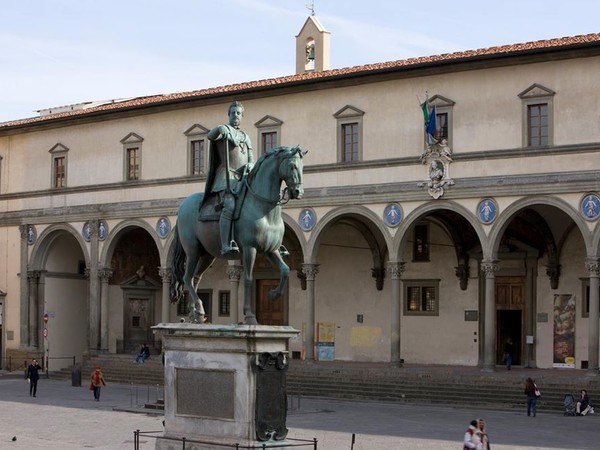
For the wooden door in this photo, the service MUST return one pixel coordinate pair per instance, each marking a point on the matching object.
(139, 320)
(269, 312)
(510, 315)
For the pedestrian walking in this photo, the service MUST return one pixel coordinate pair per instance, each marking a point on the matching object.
(532, 392)
(96, 383)
(33, 375)
(472, 439)
(485, 439)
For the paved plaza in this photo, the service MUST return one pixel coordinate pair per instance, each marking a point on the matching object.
(64, 417)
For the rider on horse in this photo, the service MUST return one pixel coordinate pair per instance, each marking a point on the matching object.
(230, 158)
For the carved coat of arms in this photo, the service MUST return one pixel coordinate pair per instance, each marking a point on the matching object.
(437, 157)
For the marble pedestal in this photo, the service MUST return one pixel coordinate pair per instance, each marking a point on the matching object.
(212, 373)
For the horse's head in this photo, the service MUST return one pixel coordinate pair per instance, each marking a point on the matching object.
(290, 170)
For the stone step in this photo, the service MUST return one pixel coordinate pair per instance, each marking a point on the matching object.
(380, 383)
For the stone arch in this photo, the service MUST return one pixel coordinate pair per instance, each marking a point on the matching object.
(372, 221)
(506, 216)
(47, 237)
(59, 286)
(112, 240)
(368, 224)
(417, 214)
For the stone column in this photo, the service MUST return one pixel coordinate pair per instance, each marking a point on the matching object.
(94, 285)
(24, 305)
(33, 278)
(396, 269)
(310, 271)
(530, 312)
(234, 272)
(489, 267)
(593, 267)
(104, 274)
(166, 276)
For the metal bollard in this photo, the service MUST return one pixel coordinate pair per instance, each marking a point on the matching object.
(76, 376)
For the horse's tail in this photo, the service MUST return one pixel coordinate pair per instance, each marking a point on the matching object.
(177, 268)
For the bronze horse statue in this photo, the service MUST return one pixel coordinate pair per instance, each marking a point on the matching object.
(258, 227)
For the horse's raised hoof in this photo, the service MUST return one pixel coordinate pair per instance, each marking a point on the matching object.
(250, 320)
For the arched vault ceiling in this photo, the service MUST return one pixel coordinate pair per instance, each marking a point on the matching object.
(460, 230)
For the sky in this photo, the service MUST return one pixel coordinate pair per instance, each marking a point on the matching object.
(61, 52)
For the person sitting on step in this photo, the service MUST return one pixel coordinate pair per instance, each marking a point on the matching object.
(144, 354)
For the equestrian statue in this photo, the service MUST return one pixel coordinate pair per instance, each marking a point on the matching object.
(237, 216)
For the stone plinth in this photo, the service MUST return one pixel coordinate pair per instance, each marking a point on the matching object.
(215, 379)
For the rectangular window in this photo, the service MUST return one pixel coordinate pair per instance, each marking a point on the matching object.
(442, 126)
(197, 156)
(421, 297)
(133, 164)
(421, 243)
(224, 303)
(350, 142)
(537, 124)
(269, 141)
(59, 172)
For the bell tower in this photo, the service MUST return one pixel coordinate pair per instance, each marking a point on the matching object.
(312, 47)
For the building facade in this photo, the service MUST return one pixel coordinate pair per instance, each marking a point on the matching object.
(407, 246)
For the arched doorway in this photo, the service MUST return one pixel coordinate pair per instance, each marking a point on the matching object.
(352, 297)
(541, 253)
(134, 288)
(63, 293)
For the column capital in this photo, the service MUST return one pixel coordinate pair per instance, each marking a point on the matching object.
(34, 274)
(592, 265)
(310, 271)
(104, 274)
(396, 269)
(489, 267)
(234, 272)
(166, 274)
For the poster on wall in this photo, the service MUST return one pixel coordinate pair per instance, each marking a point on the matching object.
(564, 331)
(325, 341)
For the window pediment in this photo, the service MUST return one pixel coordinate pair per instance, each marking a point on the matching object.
(132, 138)
(440, 101)
(536, 90)
(268, 121)
(58, 148)
(348, 111)
(196, 129)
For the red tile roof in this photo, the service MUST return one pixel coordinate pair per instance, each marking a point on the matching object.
(446, 58)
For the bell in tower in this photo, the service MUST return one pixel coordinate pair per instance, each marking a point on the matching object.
(312, 47)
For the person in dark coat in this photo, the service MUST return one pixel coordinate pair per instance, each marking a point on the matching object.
(509, 349)
(532, 393)
(583, 404)
(144, 354)
(33, 375)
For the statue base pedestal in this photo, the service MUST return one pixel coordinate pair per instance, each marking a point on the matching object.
(224, 385)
